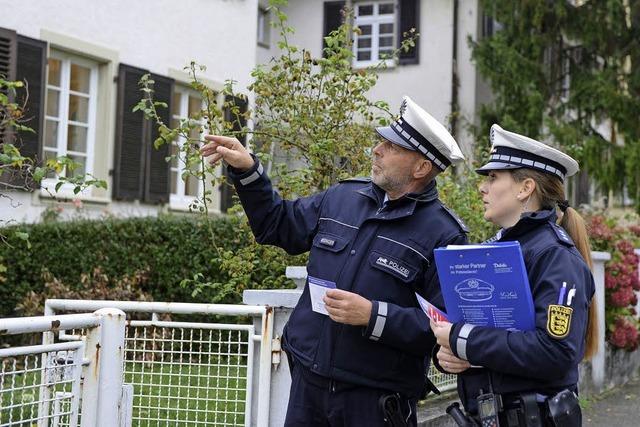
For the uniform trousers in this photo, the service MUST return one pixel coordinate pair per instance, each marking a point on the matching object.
(316, 401)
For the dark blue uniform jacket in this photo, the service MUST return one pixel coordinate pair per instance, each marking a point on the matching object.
(383, 253)
(545, 360)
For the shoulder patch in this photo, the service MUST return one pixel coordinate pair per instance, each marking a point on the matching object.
(456, 218)
(362, 179)
(562, 235)
(559, 320)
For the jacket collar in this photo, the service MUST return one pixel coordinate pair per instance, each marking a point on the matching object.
(527, 222)
(405, 205)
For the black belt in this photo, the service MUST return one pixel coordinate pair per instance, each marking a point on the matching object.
(516, 417)
(523, 410)
(324, 382)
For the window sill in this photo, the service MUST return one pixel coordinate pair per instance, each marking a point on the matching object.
(372, 64)
(184, 209)
(48, 192)
(182, 203)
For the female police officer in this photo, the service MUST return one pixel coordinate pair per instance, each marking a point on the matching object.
(528, 377)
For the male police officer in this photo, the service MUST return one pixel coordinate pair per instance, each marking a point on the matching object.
(371, 243)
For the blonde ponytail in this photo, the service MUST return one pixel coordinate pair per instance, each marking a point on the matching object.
(573, 223)
(550, 192)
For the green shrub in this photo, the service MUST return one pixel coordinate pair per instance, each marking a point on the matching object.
(461, 194)
(167, 250)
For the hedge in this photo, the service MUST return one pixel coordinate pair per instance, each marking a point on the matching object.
(168, 249)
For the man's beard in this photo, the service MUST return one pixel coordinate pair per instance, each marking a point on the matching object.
(390, 184)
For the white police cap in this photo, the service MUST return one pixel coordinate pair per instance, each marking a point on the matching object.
(417, 130)
(510, 150)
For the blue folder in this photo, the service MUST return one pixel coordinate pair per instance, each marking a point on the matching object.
(486, 285)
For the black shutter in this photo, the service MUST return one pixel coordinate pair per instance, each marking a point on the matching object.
(332, 18)
(239, 121)
(157, 176)
(131, 135)
(8, 54)
(409, 18)
(24, 59)
(32, 57)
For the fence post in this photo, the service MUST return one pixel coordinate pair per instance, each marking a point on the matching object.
(598, 360)
(637, 252)
(45, 391)
(102, 387)
(282, 301)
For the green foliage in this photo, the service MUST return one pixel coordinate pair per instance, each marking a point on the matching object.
(314, 109)
(461, 194)
(594, 49)
(621, 282)
(155, 253)
(317, 110)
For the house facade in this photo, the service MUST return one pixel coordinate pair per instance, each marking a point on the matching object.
(438, 74)
(82, 61)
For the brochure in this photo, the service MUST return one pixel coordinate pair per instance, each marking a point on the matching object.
(431, 310)
(486, 285)
(317, 290)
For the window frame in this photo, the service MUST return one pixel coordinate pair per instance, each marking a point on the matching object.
(66, 59)
(180, 200)
(375, 20)
(263, 37)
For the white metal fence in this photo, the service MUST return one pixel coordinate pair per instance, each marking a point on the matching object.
(158, 372)
(47, 384)
(191, 373)
(444, 382)
(26, 370)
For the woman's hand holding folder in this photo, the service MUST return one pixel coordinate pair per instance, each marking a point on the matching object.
(447, 360)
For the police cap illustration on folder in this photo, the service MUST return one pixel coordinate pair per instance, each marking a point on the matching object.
(474, 290)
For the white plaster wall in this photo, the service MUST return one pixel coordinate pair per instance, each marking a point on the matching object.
(428, 83)
(467, 95)
(474, 91)
(153, 34)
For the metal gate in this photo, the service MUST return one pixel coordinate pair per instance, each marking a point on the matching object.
(185, 373)
(52, 383)
(161, 373)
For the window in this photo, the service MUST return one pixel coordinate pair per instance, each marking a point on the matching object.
(560, 59)
(490, 26)
(375, 39)
(185, 190)
(70, 112)
(264, 27)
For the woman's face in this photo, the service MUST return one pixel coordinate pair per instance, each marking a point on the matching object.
(500, 197)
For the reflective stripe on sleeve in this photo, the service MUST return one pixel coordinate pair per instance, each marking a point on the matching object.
(461, 343)
(254, 176)
(381, 319)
